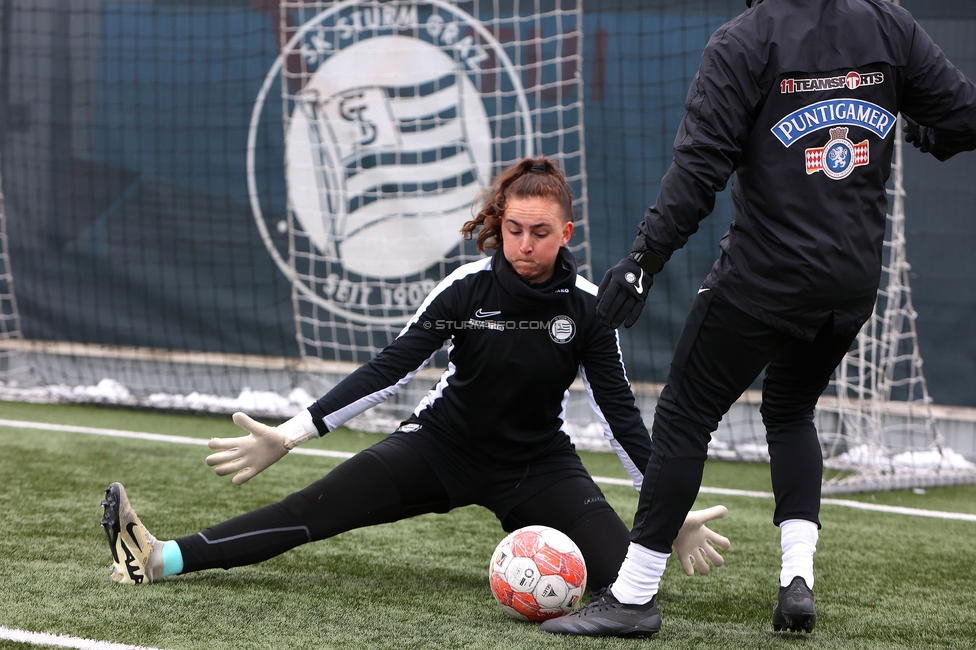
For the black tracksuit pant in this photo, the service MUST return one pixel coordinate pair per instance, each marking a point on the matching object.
(392, 481)
(720, 352)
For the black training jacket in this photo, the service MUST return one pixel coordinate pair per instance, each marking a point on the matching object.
(799, 99)
(515, 350)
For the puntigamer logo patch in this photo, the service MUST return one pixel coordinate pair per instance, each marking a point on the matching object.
(831, 113)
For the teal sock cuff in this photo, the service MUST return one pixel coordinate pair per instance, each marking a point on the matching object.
(172, 559)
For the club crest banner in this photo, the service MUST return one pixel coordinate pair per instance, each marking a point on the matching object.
(396, 115)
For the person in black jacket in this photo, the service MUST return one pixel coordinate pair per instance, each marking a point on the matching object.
(521, 325)
(799, 99)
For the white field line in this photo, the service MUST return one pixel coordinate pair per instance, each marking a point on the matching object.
(142, 435)
(61, 641)
(846, 503)
(184, 440)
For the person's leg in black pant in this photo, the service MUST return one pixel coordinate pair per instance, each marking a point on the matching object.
(720, 352)
(794, 381)
(388, 482)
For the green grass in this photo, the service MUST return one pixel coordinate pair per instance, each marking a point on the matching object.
(883, 580)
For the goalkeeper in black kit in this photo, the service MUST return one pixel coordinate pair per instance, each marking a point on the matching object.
(800, 100)
(521, 325)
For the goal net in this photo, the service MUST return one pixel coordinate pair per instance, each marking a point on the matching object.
(9, 316)
(220, 206)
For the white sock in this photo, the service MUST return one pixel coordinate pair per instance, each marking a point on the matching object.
(799, 540)
(640, 575)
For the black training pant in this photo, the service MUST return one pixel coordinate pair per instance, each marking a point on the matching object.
(720, 352)
(392, 481)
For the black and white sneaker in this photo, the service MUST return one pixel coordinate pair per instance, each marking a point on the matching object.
(604, 615)
(795, 611)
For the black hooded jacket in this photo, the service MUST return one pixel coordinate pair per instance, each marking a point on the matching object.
(799, 98)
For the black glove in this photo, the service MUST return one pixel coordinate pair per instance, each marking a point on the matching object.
(920, 137)
(622, 293)
(923, 139)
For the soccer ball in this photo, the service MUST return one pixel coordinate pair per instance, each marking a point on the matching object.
(537, 573)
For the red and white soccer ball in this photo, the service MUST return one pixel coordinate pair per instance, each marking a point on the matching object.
(537, 573)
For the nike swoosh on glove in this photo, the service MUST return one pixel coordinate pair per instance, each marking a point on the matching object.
(622, 294)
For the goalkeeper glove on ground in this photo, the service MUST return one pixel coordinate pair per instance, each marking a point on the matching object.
(261, 448)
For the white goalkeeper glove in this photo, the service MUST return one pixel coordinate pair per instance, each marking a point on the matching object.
(261, 448)
(695, 542)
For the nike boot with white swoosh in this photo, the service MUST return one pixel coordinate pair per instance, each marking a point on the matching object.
(136, 553)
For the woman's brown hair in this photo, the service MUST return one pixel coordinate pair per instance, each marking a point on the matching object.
(529, 178)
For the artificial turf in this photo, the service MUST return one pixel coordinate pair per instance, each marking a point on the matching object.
(883, 580)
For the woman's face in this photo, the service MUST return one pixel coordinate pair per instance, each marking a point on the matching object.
(533, 231)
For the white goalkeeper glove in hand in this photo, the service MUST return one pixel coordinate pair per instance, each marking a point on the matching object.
(261, 448)
(695, 544)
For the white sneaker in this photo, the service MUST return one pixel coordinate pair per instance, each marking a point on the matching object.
(136, 553)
